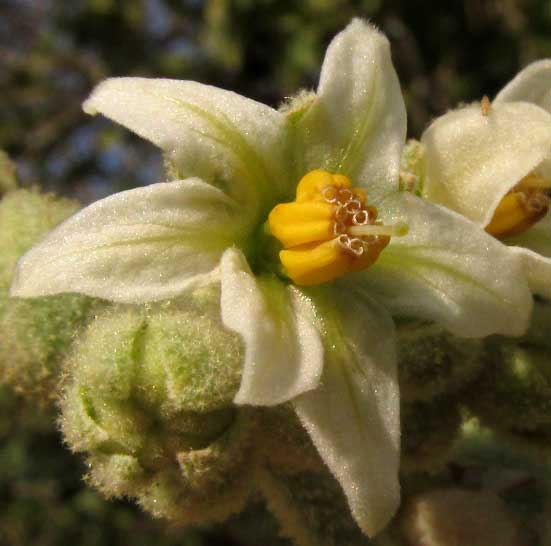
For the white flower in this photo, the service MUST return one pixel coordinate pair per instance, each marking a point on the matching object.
(493, 165)
(328, 348)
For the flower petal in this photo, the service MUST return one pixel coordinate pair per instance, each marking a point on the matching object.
(139, 245)
(283, 350)
(353, 416)
(538, 270)
(217, 135)
(473, 160)
(357, 124)
(450, 271)
(534, 246)
(532, 84)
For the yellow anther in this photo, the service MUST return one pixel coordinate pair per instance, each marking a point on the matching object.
(521, 208)
(328, 231)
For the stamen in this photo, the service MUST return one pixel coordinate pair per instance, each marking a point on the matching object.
(330, 230)
(329, 193)
(360, 218)
(355, 246)
(353, 206)
(344, 195)
(537, 202)
(341, 214)
(533, 181)
(339, 228)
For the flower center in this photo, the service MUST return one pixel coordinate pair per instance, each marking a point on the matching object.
(525, 205)
(329, 230)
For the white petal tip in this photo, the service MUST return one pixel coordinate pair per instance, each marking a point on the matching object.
(89, 108)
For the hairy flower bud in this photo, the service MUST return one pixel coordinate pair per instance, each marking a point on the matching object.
(311, 509)
(514, 393)
(25, 217)
(148, 397)
(540, 326)
(433, 362)
(428, 432)
(37, 333)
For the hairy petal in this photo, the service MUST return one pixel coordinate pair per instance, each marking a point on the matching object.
(353, 416)
(357, 124)
(449, 270)
(217, 135)
(139, 245)
(532, 84)
(474, 160)
(538, 270)
(283, 350)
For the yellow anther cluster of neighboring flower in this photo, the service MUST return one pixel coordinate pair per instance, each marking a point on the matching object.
(525, 205)
(328, 230)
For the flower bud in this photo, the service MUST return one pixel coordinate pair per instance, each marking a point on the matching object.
(284, 445)
(433, 362)
(148, 396)
(428, 432)
(514, 393)
(537, 334)
(36, 336)
(25, 217)
(310, 508)
(36, 333)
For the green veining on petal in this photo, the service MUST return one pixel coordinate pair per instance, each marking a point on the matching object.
(232, 139)
(404, 259)
(360, 133)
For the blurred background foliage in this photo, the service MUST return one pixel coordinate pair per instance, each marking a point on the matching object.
(53, 52)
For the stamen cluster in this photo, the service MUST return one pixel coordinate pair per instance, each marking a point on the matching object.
(350, 210)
